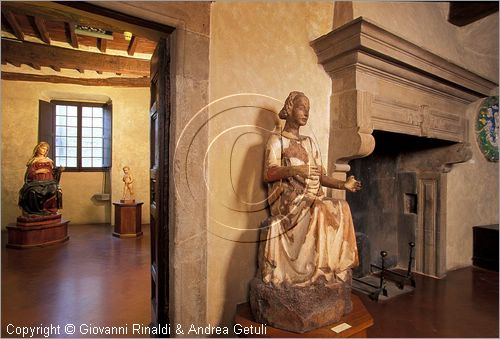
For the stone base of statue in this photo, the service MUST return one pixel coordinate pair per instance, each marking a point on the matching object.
(299, 309)
(37, 231)
(358, 321)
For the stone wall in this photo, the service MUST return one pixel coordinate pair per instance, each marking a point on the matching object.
(262, 48)
(473, 199)
(475, 48)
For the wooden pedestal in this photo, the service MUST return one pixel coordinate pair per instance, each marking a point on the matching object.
(128, 219)
(41, 231)
(359, 320)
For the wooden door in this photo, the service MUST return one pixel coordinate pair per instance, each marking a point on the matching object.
(159, 134)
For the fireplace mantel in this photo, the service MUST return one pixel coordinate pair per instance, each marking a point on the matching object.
(382, 81)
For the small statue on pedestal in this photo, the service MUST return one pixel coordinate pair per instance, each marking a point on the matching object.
(128, 186)
(128, 213)
(41, 194)
(308, 244)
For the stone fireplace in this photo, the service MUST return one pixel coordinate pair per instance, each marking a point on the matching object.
(400, 111)
(405, 180)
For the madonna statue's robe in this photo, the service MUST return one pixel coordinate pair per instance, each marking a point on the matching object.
(308, 235)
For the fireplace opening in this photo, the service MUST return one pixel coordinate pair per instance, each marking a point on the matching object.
(400, 202)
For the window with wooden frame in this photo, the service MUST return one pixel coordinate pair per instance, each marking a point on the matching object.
(79, 134)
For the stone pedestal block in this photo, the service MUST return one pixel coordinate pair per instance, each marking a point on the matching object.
(36, 231)
(359, 321)
(299, 309)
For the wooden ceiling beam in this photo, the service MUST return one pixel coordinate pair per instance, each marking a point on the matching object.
(132, 45)
(114, 82)
(13, 23)
(34, 65)
(42, 29)
(53, 12)
(70, 34)
(12, 62)
(462, 13)
(44, 55)
(78, 12)
(143, 28)
(102, 44)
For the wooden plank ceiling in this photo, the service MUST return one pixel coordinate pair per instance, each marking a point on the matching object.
(463, 13)
(45, 36)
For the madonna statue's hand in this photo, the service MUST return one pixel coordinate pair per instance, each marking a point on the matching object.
(352, 184)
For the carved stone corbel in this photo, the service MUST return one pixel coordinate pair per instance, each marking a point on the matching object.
(351, 126)
(383, 81)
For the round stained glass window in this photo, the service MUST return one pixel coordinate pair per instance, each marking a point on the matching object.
(487, 128)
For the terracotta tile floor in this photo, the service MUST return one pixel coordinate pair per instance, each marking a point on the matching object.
(464, 304)
(94, 278)
(104, 281)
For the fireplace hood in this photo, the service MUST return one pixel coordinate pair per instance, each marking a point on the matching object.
(382, 81)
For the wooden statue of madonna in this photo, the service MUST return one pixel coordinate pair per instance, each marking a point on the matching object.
(308, 245)
(41, 194)
(40, 199)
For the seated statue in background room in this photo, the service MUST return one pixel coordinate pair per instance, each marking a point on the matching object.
(128, 185)
(308, 245)
(41, 194)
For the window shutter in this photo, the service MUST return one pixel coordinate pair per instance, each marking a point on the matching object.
(107, 135)
(46, 125)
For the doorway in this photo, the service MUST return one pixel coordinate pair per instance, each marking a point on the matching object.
(41, 30)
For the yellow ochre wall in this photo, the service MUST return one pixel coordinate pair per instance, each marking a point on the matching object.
(130, 146)
(259, 52)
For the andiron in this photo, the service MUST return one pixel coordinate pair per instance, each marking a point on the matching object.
(388, 274)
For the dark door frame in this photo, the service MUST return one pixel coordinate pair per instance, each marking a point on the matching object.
(159, 184)
(159, 113)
